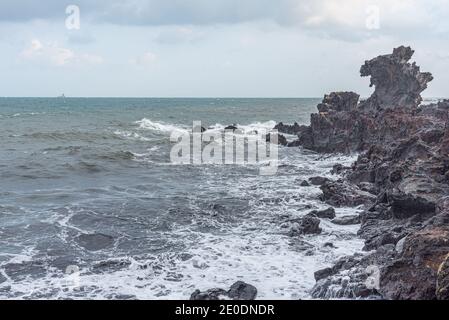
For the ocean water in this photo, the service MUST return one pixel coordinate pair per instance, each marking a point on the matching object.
(92, 208)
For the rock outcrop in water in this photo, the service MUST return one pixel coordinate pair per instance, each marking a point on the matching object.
(401, 177)
(346, 125)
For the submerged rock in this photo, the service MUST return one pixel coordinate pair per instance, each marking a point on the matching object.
(231, 127)
(304, 183)
(95, 242)
(347, 220)
(328, 213)
(318, 181)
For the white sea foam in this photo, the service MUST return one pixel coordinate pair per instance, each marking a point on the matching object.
(255, 249)
(251, 128)
(167, 128)
(131, 135)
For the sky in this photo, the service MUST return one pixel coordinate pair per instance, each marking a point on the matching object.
(212, 48)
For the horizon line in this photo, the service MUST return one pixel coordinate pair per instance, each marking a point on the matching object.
(176, 97)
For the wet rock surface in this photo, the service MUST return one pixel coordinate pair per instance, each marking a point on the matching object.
(442, 290)
(95, 242)
(341, 193)
(318, 181)
(238, 291)
(400, 180)
(347, 220)
(211, 294)
(290, 129)
(305, 225)
(328, 213)
(277, 139)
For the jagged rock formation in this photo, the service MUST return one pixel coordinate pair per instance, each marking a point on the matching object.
(398, 83)
(401, 176)
(392, 112)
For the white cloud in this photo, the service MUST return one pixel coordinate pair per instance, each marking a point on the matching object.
(347, 19)
(340, 19)
(56, 55)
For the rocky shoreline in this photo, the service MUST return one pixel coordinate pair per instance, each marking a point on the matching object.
(401, 179)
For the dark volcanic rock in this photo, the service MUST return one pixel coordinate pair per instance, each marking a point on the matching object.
(281, 140)
(323, 273)
(339, 168)
(401, 175)
(304, 183)
(340, 193)
(442, 291)
(242, 291)
(305, 225)
(238, 291)
(95, 242)
(231, 127)
(295, 143)
(397, 82)
(318, 181)
(351, 276)
(294, 129)
(211, 294)
(347, 220)
(329, 129)
(388, 115)
(406, 205)
(339, 101)
(198, 129)
(414, 274)
(328, 213)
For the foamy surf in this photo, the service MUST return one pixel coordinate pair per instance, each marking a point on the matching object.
(168, 128)
(162, 127)
(251, 245)
(135, 225)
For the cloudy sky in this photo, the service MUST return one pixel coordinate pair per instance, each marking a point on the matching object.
(212, 48)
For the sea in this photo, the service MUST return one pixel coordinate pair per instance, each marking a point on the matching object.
(91, 207)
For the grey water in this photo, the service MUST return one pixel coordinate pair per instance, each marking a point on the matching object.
(92, 208)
